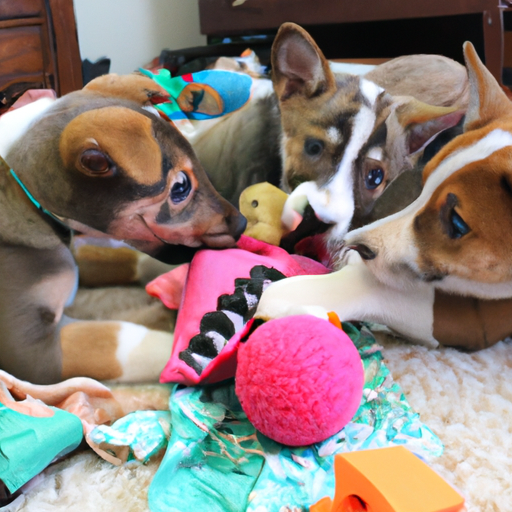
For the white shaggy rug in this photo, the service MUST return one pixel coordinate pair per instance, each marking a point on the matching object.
(466, 399)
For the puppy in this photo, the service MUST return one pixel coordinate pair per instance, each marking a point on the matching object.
(265, 140)
(102, 162)
(345, 137)
(440, 271)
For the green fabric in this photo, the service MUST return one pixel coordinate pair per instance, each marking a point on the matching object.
(29, 444)
(210, 464)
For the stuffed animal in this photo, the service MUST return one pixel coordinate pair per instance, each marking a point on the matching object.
(262, 205)
(273, 219)
(221, 294)
(314, 388)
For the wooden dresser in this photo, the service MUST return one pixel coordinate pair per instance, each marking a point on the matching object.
(38, 48)
(450, 23)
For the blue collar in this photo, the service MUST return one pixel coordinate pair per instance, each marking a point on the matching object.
(36, 203)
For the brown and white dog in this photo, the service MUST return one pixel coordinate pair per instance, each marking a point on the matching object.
(440, 271)
(307, 125)
(99, 161)
(346, 137)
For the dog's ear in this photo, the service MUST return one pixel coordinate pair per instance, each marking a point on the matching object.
(422, 122)
(298, 65)
(135, 87)
(487, 101)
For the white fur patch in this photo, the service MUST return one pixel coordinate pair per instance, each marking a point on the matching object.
(461, 286)
(370, 90)
(334, 202)
(296, 203)
(375, 153)
(152, 110)
(129, 338)
(142, 352)
(484, 148)
(333, 135)
(14, 124)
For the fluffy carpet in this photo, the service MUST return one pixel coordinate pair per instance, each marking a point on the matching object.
(466, 399)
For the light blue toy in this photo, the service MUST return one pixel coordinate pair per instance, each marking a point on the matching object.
(203, 95)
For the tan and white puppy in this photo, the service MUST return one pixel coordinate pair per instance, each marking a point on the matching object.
(100, 161)
(347, 137)
(312, 123)
(440, 271)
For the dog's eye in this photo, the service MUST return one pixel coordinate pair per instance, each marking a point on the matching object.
(313, 147)
(181, 188)
(458, 227)
(374, 178)
(95, 162)
(453, 223)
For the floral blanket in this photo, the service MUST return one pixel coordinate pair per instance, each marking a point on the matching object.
(217, 461)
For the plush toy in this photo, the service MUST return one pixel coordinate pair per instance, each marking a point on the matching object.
(202, 95)
(271, 219)
(222, 291)
(299, 379)
(262, 205)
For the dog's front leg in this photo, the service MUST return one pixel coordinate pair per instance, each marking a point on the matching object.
(104, 350)
(113, 351)
(40, 344)
(354, 293)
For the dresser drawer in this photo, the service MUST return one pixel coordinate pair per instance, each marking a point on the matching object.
(21, 53)
(11, 9)
(38, 48)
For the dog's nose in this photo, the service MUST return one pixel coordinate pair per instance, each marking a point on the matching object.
(236, 224)
(364, 251)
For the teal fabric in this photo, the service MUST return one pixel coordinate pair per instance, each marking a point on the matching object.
(29, 444)
(213, 458)
(145, 433)
(216, 461)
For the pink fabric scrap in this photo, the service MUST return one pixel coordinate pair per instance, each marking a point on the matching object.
(32, 95)
(212, 273)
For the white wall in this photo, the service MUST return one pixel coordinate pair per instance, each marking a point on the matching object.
(132, 32)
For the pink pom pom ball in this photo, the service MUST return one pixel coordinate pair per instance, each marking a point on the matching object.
(299, 379)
